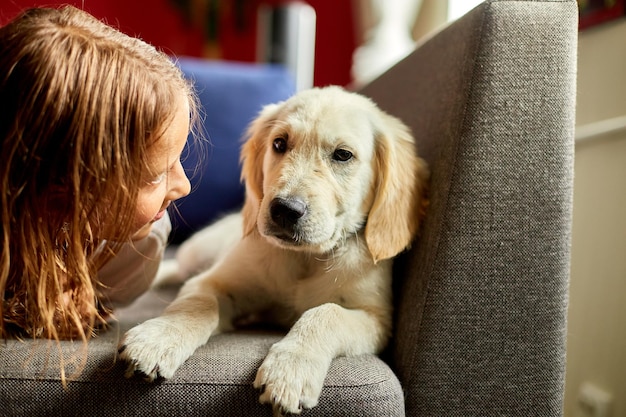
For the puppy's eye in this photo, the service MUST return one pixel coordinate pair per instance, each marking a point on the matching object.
(342, 155)
(280, 145)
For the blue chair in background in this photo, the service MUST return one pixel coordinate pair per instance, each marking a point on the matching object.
(231, 94)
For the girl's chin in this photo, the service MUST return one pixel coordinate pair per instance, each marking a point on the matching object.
(143, 232)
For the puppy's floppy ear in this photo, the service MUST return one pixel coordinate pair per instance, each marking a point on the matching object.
(251, 158)
(400, 190)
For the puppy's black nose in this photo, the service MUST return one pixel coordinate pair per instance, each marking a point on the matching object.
(286, 212)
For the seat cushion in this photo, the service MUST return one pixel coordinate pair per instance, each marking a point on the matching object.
(215, 381)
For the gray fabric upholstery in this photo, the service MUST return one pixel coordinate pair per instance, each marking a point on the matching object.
(215, 381)
(481, 297)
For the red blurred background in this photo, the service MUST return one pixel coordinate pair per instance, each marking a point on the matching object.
(227, 31)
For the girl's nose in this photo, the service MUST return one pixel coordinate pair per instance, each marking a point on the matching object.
(179, 185)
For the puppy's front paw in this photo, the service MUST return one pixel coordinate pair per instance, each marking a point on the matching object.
(154, 348)
(291, 378)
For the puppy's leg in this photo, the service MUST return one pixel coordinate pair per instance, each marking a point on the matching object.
(168, 274)
(201, 251)
(209, 246)
(206, 303)
(157, 347)
(292, 375)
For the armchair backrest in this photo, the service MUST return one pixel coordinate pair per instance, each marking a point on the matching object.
(481, 298)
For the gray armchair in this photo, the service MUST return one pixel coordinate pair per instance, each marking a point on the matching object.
(481, 297)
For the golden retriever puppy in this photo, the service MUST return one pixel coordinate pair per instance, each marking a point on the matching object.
(334, 190)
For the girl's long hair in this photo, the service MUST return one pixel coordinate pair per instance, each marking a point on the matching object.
(80, 105)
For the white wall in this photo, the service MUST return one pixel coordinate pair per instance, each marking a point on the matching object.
(384, 26)
(597, 315)
(457, 8)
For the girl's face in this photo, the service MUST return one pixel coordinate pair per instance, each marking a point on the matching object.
(170, 182)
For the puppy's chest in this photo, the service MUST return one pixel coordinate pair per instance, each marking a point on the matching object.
(312, 282)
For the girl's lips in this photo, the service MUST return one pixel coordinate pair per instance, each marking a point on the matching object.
(160, 215)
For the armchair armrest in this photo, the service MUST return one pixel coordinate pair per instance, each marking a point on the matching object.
(482, 297)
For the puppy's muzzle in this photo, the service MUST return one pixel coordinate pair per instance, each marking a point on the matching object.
(285, 214)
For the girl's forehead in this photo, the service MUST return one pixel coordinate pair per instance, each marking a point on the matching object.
(172, 141)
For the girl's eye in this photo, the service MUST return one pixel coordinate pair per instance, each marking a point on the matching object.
(342, 155)
(280, 145)
(158, 180)
(162, 177)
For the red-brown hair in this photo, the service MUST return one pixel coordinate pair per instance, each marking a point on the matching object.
(80, 105)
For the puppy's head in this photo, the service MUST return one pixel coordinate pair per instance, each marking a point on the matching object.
(326, 164)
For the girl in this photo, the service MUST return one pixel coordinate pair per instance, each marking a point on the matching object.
(92, 126)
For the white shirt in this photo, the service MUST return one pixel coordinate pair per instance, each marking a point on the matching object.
(131, 272)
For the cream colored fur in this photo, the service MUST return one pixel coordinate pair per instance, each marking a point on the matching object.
(327, 276)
